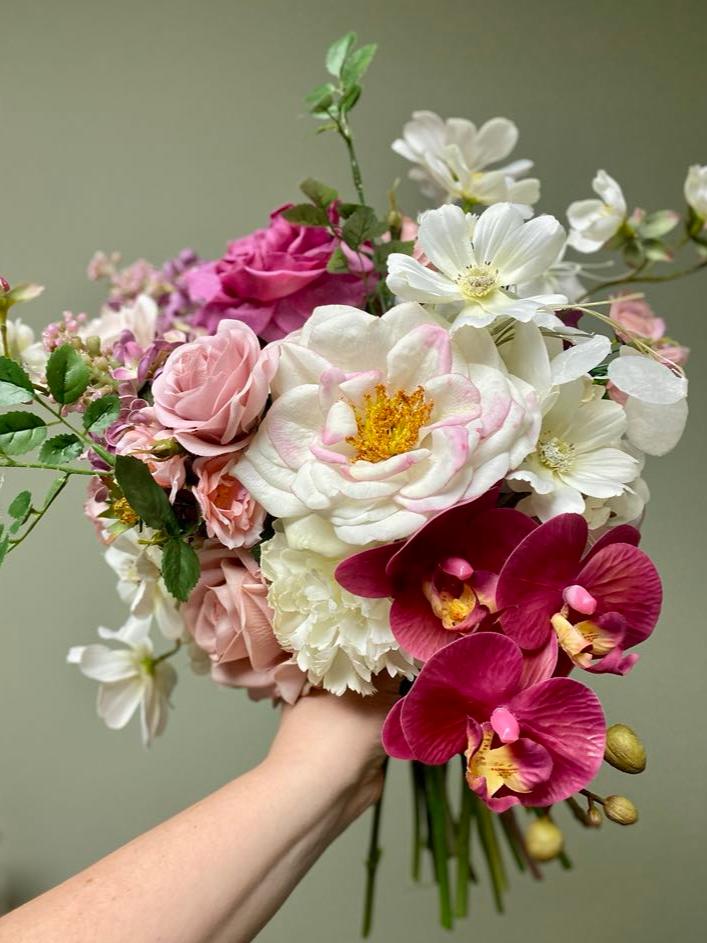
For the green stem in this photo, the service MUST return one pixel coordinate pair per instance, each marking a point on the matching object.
(511, 837)
(67, 469)
(434, 790)
(374, 856)
(345, 132)
(492, 852)
(90, 443)
(168, 654)
(461, 903)
(635, 278)
(418, 806)
(40, 514)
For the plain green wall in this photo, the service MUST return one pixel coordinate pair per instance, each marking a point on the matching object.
(148, 126)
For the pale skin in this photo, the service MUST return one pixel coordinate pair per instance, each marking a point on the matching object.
(217, 872)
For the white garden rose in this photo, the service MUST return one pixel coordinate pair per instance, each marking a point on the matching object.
(378, 423)
(340, 640)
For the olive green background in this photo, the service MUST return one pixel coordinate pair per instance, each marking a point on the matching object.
(148, 126)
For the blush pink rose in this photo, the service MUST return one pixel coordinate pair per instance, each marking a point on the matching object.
(636, 317)
(231, 514)
(274, 278)
(141, 439)
(213, 390)
(229, 618)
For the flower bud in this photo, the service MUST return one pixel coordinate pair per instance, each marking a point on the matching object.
(593, 818)
(4, 284)
(93, 345)
(166, 448)
(620, 810)
(624, 750)
(543, 839)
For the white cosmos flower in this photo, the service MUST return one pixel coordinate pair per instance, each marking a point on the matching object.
(451, 158)
(140, 583)
(130, 678)
(340, 640)
(561, 278)
(594, 222)
(479, 274)
(578, 454)
(696, 189)
(23, 347)
(655, 401)
(378, 423)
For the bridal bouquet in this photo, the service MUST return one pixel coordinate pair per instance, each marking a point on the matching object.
(363, 446)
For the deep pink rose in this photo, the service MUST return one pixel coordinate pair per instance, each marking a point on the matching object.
(273, 279)
(230, 619)
(212, 391)
(230, 512)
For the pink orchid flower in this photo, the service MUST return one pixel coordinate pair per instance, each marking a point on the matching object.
(442, 578)
(593, 606)
(531, 746)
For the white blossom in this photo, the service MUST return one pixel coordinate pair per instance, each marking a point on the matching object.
(594, 222)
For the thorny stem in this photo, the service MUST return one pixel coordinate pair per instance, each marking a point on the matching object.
(66, 469)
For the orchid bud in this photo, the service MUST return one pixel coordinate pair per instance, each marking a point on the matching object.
(593, 818)
(624, 750)
(543, 839)
(620, 810)
(4, 284)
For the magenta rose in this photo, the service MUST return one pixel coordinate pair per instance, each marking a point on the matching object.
(212, 391)
(229, 618)
(231, 514)
(273, 279)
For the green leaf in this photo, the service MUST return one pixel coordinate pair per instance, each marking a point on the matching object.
(319, 193)
(15, 386)
(180, 568)
(67, 374)
(361, 226)
(338, 263)
(100, 413)
(60, 450)
(633, 254)
(21, 432)
(350, 97)
(20, 506)
(4, 545)
(357, 64)
(346, 209)
(657, 251)
(144, 495)
(338, 52)
(385, 249)
(320, 99)
(54, 489)
(304, 214)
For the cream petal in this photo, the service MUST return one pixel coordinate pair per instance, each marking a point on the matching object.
(118, 702)
(580, 358)
(424, 353)
(410, 280)
(495, 140)
(655, 430)
(107, 665)
(495, 226)
(444, 238)
(646, 379)
(529, 250)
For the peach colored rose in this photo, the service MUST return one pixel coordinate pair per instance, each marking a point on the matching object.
(231, 514)
(230, 619)
(212, 391)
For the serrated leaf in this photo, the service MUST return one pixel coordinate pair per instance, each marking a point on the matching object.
(319, 193)
(20, 506)
(404, 247)
(15, 386)
(67, 374)
(361, 226)
(357, 64)
(100, 413)
(180, 568)
(338, 263)
(337, 53)
(54, 489)
(21, 432)
(61, 449)
(304, 214)
(350, 97)
(144, 495)
(346, 209)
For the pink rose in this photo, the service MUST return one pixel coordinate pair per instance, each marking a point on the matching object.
(674, 353)
(230, 619)
(273, 279)
(141, 439)
(637, 317)
(231, 514)
(96, 503)
(212, 391)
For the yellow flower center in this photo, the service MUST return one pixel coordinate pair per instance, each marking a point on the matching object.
(450, 610)
(478, 281)
(388, 425)
(498, 766)
(554, 453)
(121, 511)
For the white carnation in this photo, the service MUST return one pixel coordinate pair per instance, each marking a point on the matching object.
(340, 640)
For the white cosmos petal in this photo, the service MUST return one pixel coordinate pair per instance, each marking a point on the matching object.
(610, 191)
(118, 702)
(495, 140)
(563, 500)
(529, 250)
(410, 280)
(655, 430)
(495, 227)
(474, 316)
(104, 664)
(579, 359)
(444, 237)
(597, 424)
(646, 379)
(602, 473)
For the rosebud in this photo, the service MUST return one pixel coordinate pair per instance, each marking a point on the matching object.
(620, 810)
(543, 839)
(4, 284)
(593, 818)
(624, 750)
(166, 448)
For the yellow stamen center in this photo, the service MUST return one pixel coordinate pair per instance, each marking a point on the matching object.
(451, 610)
(388, 425)
(121, 511)
(583, 641)
(478, 281)
(554, 453)
(498, 766)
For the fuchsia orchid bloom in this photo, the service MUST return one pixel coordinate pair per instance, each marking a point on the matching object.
(531, 746)
(595, 606)
(442, 578)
